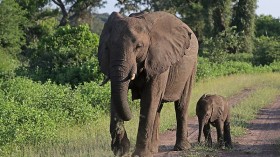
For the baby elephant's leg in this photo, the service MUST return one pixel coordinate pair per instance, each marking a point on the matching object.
(207, 135)
(227, 136)
(220, 135)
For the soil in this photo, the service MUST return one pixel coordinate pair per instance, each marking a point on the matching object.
(260, 139)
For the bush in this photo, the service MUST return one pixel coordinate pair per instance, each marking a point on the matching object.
(67, 56)
(240, 57)
(275, 66)
(98, 96)
(267, 50)
(32, 112)
(207, 69)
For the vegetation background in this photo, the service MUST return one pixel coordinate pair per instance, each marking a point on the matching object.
(49, 74)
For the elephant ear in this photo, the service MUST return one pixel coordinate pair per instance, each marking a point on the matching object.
(103, 52)
(170, 38)
(218, 110)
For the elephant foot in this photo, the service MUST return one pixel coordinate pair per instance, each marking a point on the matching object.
(208, 144)
(228, 145)
(154, 147)
(182, 146)
(139, 153)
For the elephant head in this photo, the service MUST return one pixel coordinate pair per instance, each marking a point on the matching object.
(149, 42)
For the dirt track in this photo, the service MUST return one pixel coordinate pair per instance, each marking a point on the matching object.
(259, 140)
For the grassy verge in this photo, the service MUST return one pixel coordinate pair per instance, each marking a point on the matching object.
(247, 110)
(94, 139)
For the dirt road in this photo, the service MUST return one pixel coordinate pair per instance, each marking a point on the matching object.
(259, 140)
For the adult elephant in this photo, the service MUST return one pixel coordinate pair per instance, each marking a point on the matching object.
(154, 55)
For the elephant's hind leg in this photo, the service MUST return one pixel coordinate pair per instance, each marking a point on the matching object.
(227, 136)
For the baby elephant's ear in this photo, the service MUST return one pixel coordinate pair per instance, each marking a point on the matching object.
(218, 110)
(170, 38)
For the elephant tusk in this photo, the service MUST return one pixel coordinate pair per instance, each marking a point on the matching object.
(132, 77)
(105, 81)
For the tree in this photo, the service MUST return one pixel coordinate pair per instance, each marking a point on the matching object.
(74, 11)
(267, 26)
(33, 7)
(221, 15)
(244, 20)
(12, 24)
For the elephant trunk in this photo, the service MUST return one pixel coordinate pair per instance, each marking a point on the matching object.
(119, 91)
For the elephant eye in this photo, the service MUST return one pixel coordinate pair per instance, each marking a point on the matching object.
(139, 45)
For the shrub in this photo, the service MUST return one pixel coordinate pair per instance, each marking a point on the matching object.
(98, 96)
(31, 111)
(240, 57)
(275, 66)
(267, 50)
(207, 69)
(67, 56)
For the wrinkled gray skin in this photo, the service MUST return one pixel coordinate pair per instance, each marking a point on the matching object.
(214, 110)
(154, 55)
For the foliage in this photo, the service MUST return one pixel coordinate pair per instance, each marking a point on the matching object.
(32, 112)
(207, 69)
(74, 11)
(7, 64)
(98, 96)
(218, 47)
(275, 66)
(12, 23)
(98, 22)
(33, 7)
(266, 25)
(267, 50)
(244, 20)
(240, 57)
(218, 16)
(67, 56)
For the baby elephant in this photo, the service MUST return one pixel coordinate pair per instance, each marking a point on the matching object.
(214, 110)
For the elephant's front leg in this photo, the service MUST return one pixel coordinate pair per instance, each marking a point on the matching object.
(120, 144)
(181, 109)
(155, 137)
(150, 101)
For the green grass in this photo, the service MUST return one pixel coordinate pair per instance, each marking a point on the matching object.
(94, 139)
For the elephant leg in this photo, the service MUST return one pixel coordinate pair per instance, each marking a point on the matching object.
(227, 136)
(150, 100)
(181, 108)
(220, 135)
(207, 135)
(155, 137)
(120, 144)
